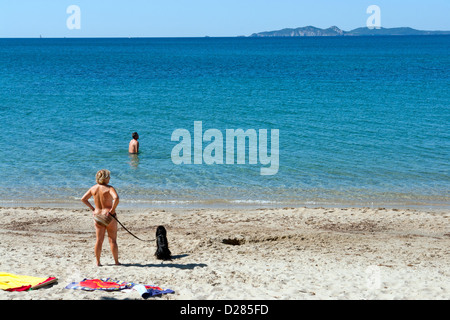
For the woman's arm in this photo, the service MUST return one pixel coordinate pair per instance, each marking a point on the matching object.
(86, 198)
(115, 197)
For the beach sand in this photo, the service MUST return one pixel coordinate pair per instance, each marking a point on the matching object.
(283, 253)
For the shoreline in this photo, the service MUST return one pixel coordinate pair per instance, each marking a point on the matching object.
(237, 254)
(227, 204)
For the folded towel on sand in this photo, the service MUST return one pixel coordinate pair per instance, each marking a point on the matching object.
(15, 282)
(108, 284)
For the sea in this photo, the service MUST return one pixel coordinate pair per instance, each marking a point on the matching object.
(362, 121)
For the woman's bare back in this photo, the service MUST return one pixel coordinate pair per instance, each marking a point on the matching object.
(103, 197)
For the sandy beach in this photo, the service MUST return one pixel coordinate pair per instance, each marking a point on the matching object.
(285, 253)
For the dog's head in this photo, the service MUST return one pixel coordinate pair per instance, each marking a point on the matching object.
(161, 231)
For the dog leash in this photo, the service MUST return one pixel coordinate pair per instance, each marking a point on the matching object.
(114, 216)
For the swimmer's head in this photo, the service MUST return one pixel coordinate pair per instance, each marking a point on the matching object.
(102, 176)
(135, 135)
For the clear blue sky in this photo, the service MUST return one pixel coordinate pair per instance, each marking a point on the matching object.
(197, 18)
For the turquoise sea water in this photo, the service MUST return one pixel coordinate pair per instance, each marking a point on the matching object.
(362, 120)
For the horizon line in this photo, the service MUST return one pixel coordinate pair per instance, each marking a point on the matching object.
(215, 37)
(207, 36)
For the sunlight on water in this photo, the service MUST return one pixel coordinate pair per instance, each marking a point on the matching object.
(362, 120)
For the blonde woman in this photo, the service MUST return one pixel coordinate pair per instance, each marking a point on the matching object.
(106, 200)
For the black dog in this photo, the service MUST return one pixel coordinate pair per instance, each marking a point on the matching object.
(162, 251)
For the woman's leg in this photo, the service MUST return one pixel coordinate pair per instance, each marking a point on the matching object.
(112, 236)
(100, 233)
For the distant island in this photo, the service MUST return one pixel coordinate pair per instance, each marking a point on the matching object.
(334, 31)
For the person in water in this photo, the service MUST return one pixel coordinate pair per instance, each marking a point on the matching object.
(106, 200)
(133, 147)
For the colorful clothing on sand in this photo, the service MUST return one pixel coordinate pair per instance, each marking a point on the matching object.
(156, 291)
(109, 284)
(15, 282)
(106, 284)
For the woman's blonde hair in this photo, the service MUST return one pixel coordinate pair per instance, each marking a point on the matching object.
(102, 176)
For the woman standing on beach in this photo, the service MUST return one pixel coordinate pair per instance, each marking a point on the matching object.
(106, 200)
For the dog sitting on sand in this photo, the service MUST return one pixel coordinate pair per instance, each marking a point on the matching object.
(162, 246)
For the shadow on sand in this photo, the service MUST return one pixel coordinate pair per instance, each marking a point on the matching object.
(167, 264)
